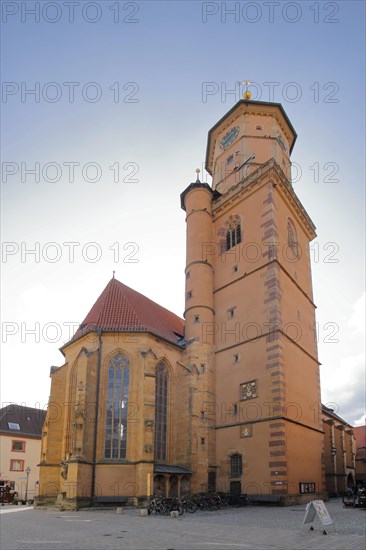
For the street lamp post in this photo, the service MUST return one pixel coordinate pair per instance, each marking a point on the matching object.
(27, 471)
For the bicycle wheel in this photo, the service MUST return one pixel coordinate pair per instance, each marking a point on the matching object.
(163, 509)
(191, 507)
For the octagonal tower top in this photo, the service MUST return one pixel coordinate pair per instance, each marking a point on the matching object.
(247, 136)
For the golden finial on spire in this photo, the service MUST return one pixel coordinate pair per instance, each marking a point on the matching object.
(113, 274)
(198, 174)
(247, 94)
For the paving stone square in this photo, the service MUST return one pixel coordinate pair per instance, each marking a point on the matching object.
(253, 527)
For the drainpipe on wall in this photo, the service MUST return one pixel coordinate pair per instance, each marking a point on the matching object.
(92, 491)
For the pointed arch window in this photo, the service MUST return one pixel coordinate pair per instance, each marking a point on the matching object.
(161, 411)
(292, 238)
(233, 234)
(236, 463)
(115, 444)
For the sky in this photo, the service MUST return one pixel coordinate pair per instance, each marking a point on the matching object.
(105, 111)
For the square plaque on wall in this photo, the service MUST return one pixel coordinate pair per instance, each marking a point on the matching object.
(246, 431)
(248, 390)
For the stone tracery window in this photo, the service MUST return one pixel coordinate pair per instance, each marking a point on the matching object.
(233, 234)
(292, 238)
(117, 408)
(161, 411)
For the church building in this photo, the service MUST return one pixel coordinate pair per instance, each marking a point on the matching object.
(227, 399)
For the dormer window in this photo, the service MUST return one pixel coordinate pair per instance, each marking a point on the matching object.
(13, 426)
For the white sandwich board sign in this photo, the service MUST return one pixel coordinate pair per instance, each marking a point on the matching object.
(317, 508)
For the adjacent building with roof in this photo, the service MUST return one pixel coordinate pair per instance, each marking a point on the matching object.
(20, 449)
(339, 453)
(229, 398)
(360, 435)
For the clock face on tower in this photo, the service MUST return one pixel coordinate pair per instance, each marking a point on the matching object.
(229, 137)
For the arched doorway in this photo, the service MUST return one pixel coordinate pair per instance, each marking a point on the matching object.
(350, 481)
(185, 486)
(159, 486)
(173, 486)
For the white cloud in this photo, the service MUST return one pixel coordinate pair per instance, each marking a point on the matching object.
(361, 421)
(343, 387)
(357, 319)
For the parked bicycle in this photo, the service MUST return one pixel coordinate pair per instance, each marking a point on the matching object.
(189, 505)
(156, 505)
(172, 504)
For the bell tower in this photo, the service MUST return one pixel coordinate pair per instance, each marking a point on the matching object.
(249, 312)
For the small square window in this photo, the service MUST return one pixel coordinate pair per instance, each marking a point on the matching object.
(236, 358)
(202, 440)
(258, 128)
(196, 319)
(231, 313)
(202, 368)
(230, 159)
(235, 409)
(18, 446)
(189, 294)
(202, 415)
(235, 269)
(16, 465)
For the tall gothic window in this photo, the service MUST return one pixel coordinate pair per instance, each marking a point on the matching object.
(292, 238)
(161, 411)
(236, 463)
(233, 234)
(117, 408)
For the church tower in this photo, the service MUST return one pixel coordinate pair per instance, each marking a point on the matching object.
(250, 312)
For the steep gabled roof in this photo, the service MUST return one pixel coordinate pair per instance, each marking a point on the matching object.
(121, 309)
(20, 421)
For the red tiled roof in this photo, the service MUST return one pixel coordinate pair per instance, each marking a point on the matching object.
(121, 309)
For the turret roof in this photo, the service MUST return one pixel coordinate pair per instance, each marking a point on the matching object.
(244, 105)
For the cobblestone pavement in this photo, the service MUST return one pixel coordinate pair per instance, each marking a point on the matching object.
(254, 527)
